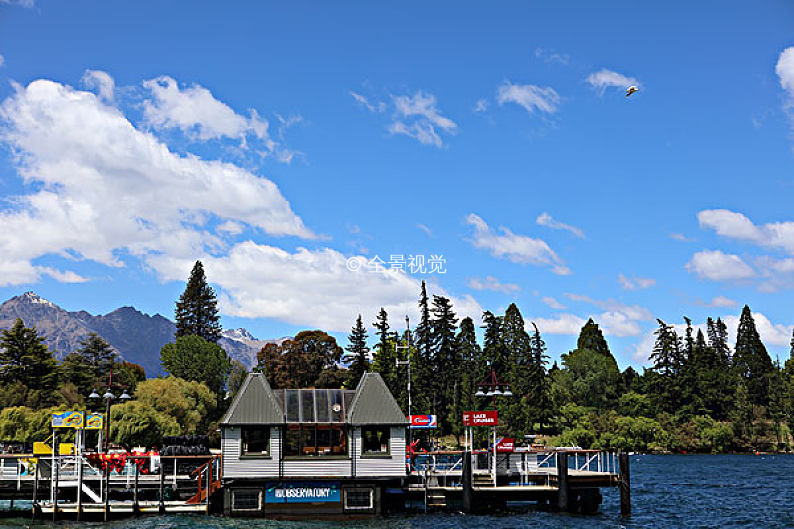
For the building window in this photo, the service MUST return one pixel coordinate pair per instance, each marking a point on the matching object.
(359, 499)
(246, 500)
(375, 441)
(255, 441)
(315, 440)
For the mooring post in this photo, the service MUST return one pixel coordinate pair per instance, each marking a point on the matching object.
(135, 490)
(468, 490)
(562, 481)
(209, 480)
(107, 491)
(55, 469)
(162, 485)
(35, 491)
(624, 484)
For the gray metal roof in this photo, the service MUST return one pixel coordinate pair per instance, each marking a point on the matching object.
(374, 403)
(254, 403)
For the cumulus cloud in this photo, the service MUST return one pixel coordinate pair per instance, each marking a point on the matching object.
(553, 303)
(418, 117)
(734, 225)
(100, 189)
(635, 283)
(262, 281)
(785, 72)
(102, 82)
(530, 97)
(198, 114)
(719, 266)
(481, 105)
(603, 79)
(514, 247)
(720, 301)
(544, 219)
(492, 283)
(569, 324)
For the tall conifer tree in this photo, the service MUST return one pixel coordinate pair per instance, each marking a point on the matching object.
(358, 348)
(197, 308)
(751, 362)
(447, 366)
(24, 358)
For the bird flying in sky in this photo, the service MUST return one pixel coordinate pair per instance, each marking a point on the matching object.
(630, 90)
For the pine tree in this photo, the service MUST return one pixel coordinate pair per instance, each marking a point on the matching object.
(473, 366)
(197, 308)
(99, 355)
(751, 362)
(520, 370)
(359, 349)
(423, 363)
(590, 337)
(385, 356)
(494, 349)
(24, 358)
(541, 398)
(447, 367)
(665, 355)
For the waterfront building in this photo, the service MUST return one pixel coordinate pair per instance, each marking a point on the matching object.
(313, 451)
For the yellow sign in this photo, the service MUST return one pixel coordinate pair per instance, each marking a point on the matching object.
(67, 419)
(94, 421)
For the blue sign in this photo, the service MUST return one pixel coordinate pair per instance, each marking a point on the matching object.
(302, 492)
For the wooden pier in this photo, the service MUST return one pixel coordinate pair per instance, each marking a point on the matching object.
(76, 487)
(558, 479)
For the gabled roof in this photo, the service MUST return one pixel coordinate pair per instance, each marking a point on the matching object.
(374, 403)
(255, 403)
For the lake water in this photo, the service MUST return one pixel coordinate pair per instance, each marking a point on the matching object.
(667, 492)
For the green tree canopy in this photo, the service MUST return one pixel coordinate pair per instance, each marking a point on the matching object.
(25, 358)
(307, 360)
(136, 423)
(193, 358)
(189, 403)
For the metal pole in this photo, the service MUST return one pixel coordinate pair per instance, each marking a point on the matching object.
(135, 490)
(162, 484)
(80, 433)
(408, 358)
(55, 491)
(36, 489)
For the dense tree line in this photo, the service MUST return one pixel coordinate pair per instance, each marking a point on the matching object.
(699, 393)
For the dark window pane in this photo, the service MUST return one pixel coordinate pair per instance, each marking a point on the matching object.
(323, 406)
(256, 439)
(307, 405)
(291, 396)
(375, 440)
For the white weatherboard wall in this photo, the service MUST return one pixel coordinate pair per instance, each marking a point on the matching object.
(234, 467)
(382, 466)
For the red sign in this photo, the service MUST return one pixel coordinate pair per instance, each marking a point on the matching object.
(481, 418)
(505, 444)
(423, 421)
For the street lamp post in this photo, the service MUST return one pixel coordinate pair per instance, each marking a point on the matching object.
(109, 397)
(492, 383)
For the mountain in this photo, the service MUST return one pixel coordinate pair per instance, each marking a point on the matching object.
(136, 336)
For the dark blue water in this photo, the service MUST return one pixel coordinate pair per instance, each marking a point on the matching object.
(667, 492)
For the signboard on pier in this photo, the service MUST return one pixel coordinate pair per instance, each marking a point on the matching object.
(423, 421)
(303, 492)
(505, 445)
(94, 421)
(481, 418)
(67, 419)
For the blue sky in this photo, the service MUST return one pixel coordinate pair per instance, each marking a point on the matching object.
(284, 143)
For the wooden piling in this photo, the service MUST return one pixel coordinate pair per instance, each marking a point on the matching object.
(468, 490)
(35, 491)
(562, 482)
(624, 484)
(55, 470)
(107, 492)
(162, 486)
(135, 490)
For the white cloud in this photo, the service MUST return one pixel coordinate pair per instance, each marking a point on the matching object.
(260, 281)
(62, 276)
(363, 101)
(635, 283)
(417, 116)
(20, 3)
(2, 61)
(551, 56)
(553, 303)
(101, 190)
(785, 72)
(514, 247)
(425, 229)
(735, 225)
(544, 219)
(492, 283)
(634, 312)
(718, 266)
(195, 111)
(681, 237)
(530, 97)
(102, 82)
(561, 324)
(481, 105)
(603, 79)
(721, 302)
